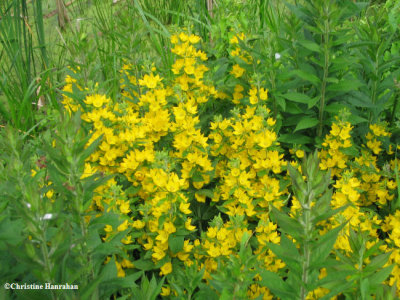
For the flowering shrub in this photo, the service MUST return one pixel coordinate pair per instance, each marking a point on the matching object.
(221, 198)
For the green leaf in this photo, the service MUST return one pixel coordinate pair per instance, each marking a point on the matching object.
(89, 150)
(310, 45)
(11, 231)
(337, 289)
(109, 271)
(276, 285)
(377, 262)
(344, 86)
(323, 246)
(175, 243)
(295, 138)
(197, 278)
(196, 176)
(364, 288)
(106, 249)
(327, 215)
(281, 102)
(105, 219)
(287, 224)
(334, 108)
(206, 192)
(298, 97)
(124, 282)
(287, 252)
(307, 76)
(222, 70)
(144, 264)
(381, 275)
(306, 122)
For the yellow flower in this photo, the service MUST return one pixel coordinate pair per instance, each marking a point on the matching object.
(237, 71)
(158, 253)
(166, 269)
(138, 224)
(139, 175)
(211, 232)
(335, 131)
(300, 153)
(108, 228)
(194, 39)
(374, 145)
(121, 272)
(188, 225)
(263, 94)
(235, 172)
(271, 122)
(214, 251)
(165, 291)
(49, 194)
(123, 226)
(184, 207)
(96, 100)
(127, 240)
(200, 198)
(174, 39)
(266, 138)
(173, 184)
(150, 81)
(127, 264)
(169, 227)
(124, 207)
(183, 37)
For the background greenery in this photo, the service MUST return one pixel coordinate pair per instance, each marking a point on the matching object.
(315, 58)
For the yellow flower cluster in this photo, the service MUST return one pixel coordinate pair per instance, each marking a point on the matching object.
(361, 183)
(166, 164)
(332, 157)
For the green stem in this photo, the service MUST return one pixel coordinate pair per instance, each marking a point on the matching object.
(272, 80)
(374, 87)
(324, 79)
(396, 99)
(307, 252)
(308, 230)
(46, 260)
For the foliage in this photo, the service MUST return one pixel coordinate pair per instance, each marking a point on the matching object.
(26, 80)
(256, 160)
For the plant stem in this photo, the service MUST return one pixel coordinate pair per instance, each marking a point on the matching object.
(307, 252)
(46, 260)
(324, 79)
(308, 230)
(375, 86)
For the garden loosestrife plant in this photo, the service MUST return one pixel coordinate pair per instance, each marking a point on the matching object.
(188, 174)
(302, 248)
(211, 197)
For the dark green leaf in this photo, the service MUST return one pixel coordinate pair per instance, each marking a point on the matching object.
(306, 122)
(307, 76)
(295, 138)
(298, 97)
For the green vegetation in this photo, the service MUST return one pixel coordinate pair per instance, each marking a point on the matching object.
(213, 149)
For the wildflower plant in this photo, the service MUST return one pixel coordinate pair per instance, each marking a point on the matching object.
(209, 206)
(174, 169)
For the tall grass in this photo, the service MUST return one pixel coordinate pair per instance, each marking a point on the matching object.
(25, 65)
